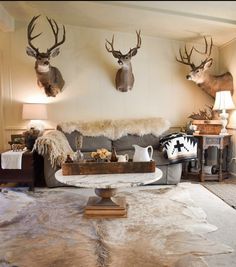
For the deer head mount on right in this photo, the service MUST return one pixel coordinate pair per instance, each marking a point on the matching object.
(49, 77)
(200, 74)
(124, 76)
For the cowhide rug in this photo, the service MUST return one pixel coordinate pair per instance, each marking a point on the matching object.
(164, 228)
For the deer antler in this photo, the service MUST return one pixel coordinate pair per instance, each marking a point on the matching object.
(30, 29)
(115, 53)
(134, 50)
(206, 48)
(186, 59)
(206, 51)
(55, 32)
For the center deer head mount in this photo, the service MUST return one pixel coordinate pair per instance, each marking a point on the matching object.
(124, 76)
(210, 84)
(48, 77)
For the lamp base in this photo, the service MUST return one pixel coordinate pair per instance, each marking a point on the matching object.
(223, 133)
(36, 124)
(30, 138)
(224, 116)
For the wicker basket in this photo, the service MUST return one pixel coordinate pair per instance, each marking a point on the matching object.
(208, 126)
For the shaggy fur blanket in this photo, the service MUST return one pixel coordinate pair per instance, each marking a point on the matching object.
(164, 228)
(55, 145)
(115, 129)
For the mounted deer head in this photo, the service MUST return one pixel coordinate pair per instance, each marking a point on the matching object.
(200, 74)
(49, 77)
(124, 76)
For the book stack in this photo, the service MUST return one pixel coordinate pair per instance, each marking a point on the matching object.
(96, 210)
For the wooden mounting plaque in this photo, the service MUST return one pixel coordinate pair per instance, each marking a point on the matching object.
(84, 168)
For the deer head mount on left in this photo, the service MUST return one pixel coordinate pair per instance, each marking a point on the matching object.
(124, 76)
(49, 77)
(200, 74)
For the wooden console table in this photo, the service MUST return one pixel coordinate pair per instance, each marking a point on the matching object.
(24, 175)
(222, 142)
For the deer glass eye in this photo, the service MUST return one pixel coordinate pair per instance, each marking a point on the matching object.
(197, 71)
(126, 57)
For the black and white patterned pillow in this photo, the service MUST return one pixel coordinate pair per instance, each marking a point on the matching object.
(179, 147)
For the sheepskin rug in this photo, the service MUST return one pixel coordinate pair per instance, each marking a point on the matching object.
(164, 228)
(115, 129)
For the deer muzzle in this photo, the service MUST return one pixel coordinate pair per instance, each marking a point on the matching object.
(120, 62)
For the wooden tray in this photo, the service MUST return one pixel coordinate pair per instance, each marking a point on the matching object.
(208, 126)
(76, 168)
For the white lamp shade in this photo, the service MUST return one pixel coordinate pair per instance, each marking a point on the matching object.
(223, 100)
(34, 112)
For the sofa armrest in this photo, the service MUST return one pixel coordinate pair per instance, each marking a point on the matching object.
(54, 144)
(49, 174)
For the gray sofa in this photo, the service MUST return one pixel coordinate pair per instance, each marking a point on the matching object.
(171, 172)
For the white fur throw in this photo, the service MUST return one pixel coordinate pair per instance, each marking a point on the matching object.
(115, 129)
(54, 144)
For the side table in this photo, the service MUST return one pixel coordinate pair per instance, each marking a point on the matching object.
(222, 142)
(24, 175)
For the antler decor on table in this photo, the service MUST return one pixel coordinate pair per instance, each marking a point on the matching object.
(200, 75)
(49, 77)
(124, 76)
(205, 114)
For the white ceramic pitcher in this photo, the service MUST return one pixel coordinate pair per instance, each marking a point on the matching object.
(142, 154)
(123, 158)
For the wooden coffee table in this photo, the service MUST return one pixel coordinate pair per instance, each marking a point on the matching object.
(106, 205)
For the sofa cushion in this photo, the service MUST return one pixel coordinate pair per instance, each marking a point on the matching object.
(126, 142)
(92, 143)
(71, 137)
(171, 174)
(179, 146)
(160, 158)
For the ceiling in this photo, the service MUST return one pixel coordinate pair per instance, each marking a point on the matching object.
(178, 20)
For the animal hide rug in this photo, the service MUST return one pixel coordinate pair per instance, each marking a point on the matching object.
(164, 228)
(115, 129)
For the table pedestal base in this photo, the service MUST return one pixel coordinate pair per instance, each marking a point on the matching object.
(106, 206)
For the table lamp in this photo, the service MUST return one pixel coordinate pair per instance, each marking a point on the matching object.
(36, 113)
(223, 101)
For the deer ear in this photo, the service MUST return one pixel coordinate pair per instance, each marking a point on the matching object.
(55, 52)
(30, 52)
(208, 63)
(116, 54)
(133, 52)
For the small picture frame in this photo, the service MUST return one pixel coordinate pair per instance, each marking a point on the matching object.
(17, 139)
(17, 142)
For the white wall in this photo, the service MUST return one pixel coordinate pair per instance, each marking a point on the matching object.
(5, 80)
(160, 87)
(227, 61)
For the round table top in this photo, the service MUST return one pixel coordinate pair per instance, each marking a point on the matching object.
(104, 181)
